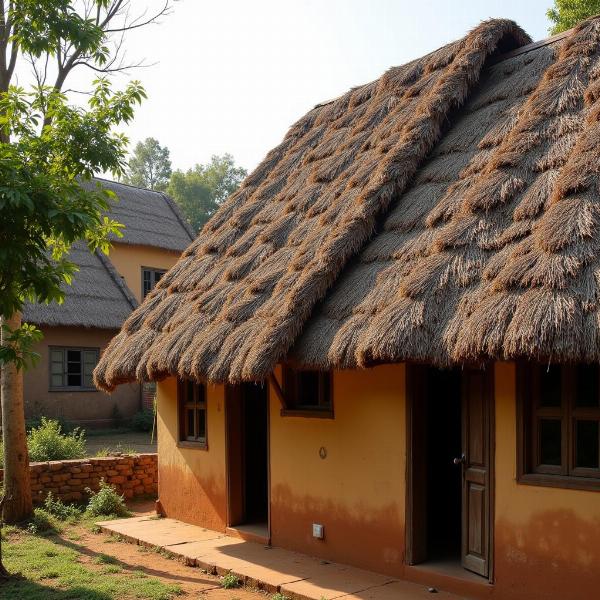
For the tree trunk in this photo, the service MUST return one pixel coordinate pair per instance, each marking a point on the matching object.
(17, 488)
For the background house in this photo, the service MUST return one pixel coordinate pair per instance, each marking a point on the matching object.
(104, 292)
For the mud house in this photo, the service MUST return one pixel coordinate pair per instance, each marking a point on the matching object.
(104, 292)
(383, 349)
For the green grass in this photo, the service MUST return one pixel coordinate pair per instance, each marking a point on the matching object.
(118, 449)
(52, 568)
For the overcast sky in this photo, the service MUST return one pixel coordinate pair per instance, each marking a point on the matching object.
(234, 75)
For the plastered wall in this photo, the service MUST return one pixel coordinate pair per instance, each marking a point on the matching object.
(357, 490)
(90, 408)
(128, 260)
(191, 481)
(547, 542)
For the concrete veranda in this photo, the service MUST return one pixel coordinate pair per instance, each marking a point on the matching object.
(272, 569)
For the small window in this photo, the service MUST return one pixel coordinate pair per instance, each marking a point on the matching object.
(307, 392)
(560, 425)
(192, 413)
(72, 368)
(150, 277)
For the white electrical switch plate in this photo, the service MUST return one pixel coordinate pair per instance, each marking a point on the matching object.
(318, 531)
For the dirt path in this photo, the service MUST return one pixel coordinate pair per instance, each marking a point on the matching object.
(132, 558)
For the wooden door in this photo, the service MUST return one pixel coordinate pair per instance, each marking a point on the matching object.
(477, 472)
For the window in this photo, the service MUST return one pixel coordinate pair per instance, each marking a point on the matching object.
(72, 368)
(307, 393)
(560, 425)
(150, 277)
(192, 413)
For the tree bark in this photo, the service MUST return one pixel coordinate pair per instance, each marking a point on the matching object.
(17, 487)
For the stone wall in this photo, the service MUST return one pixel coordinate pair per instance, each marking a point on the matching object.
(68, 479)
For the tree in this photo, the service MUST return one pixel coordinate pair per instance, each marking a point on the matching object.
(150, 166)
(47, 146)
(201, 190)
(193, 196)
(567, 13)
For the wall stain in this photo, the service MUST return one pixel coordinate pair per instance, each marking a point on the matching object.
(364, 537)
(556, 554)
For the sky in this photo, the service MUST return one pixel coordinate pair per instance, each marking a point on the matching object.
(234, 75)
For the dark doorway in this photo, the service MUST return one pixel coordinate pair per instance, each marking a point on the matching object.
(247, 454)
(449, 511)
(444, 477)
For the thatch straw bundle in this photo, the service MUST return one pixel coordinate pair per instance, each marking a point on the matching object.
(468, 208)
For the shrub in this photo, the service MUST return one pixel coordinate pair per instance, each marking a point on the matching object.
(42, 522)
(143, 420)
(48, 442)
(57, 508)
(106, 501)
(66, 426)
(229, 581)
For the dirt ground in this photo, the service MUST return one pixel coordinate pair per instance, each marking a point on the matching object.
(126, 441)
(194, 583)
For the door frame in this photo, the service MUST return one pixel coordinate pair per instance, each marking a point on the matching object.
(233, 393)
(415, 476)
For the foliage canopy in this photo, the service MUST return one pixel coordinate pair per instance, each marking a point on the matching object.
(150, 166)
(565, 14)
(200, 191)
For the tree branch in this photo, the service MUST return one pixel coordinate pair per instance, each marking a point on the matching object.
(136, 23)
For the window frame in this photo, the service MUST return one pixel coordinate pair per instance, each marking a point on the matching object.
(153, 271)
(71, 388)
(198, 403)
(289, 388)
(529, 470)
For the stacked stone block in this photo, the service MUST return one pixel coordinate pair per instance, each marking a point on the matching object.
(69, 479)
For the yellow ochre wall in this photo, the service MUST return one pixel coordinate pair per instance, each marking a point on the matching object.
(357, 491)
(547, 540)
(191, 481)
(128, 260)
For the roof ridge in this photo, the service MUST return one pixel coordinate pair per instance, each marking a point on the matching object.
(242, 292)
(129, 185)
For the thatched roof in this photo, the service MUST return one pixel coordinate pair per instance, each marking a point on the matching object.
(98, 297)
(445, 212)
(150, 218)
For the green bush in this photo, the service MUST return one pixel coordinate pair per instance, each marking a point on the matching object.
(42, 522)
(48, 442)
(229, 581)
(106, 501)
(66, 426)
(57, 508)
(143, 420)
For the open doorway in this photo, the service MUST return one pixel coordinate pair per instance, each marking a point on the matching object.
(449, 518)
(247, 459)
(443, 444)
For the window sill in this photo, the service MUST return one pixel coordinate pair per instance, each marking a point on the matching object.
(193, 445)
(559, 481)
(310, 414)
